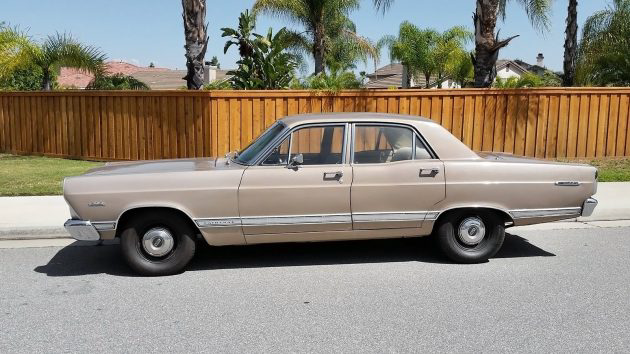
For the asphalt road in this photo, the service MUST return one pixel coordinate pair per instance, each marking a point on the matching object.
(546, 291)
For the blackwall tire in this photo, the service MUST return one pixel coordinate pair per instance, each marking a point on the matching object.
(158, 243)
(460, 239)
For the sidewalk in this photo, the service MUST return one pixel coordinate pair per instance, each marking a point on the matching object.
(43, 217)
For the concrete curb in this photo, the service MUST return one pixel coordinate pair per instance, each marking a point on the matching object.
(29, 233)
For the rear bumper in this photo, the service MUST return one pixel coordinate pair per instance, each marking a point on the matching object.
(82, 230)
(589, 206)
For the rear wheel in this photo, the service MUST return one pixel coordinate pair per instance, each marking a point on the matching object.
(158, 243)
(471, 236)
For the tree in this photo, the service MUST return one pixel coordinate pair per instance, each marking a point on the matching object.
(195, 32)
(62, 50)
(12, 54)
(151, 65)
(264, 62)
(215, 62)
(24, 79)
(116, 82)
(410, 48)
(570, 45)
(334, 81)
(604, 52)
(460, 67)
(346, 47)
(18, 52)
(324, 21)
(442, 50)
(425, 52)
(487, 42)
(529, 80)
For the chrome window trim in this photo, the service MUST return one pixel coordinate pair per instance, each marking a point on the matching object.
(267, 151)
(262, 162)
(256, 158)
(415, 132)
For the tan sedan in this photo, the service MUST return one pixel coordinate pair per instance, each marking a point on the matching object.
(323, 177)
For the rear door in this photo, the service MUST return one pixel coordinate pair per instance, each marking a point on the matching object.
(397, 179)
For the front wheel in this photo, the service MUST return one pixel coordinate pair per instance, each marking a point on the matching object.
(158, 243)
(471, 236)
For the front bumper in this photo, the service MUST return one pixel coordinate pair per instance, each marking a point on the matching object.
(82, 230)
(589, 206)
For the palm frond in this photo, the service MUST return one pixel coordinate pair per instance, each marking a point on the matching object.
(63, 50)
(14, 45)
(382, 5)
(537, 11)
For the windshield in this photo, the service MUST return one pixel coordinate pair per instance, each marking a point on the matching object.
(247, 155)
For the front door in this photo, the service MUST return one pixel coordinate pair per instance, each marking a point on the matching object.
(396, 179)
(313, 196)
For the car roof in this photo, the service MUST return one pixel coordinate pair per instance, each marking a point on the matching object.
(291, 121)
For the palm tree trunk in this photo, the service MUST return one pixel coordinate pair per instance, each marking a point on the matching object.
(570, 45)
(195, 32)
(46, 80)
(406, 77)
(487, 44)
(319, 47)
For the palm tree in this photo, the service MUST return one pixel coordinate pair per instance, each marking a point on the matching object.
(424, 51)
(460, 67)
(116, 82)
(604, 50)
(410, 48)
(324, 22)
(487, 42)
(12, 41)
(443, 49)
(61, 50)
(570, 45)
(195, 32)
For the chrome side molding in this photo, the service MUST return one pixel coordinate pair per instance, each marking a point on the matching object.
(543, 213)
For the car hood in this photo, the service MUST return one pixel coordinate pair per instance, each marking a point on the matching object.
(163, 166)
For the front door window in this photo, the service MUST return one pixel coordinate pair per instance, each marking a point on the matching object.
(318, 145)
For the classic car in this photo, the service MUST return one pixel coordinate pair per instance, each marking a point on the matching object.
(324, 177)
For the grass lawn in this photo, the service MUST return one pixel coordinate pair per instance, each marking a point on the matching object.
(611, 170)
(35, 175)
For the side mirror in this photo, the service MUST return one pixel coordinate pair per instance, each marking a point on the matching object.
(296, 161)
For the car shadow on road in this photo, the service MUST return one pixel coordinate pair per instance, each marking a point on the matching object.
(83, 260)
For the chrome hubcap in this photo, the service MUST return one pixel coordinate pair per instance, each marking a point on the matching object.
(158, 242)
(471, 231)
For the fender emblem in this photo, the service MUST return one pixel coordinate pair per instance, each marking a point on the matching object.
(568, 183)
(96, 204)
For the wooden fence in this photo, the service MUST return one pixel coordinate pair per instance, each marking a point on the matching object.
(127, 125)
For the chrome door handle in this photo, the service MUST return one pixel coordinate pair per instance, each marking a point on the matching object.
(429, 172)
(333, 176)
